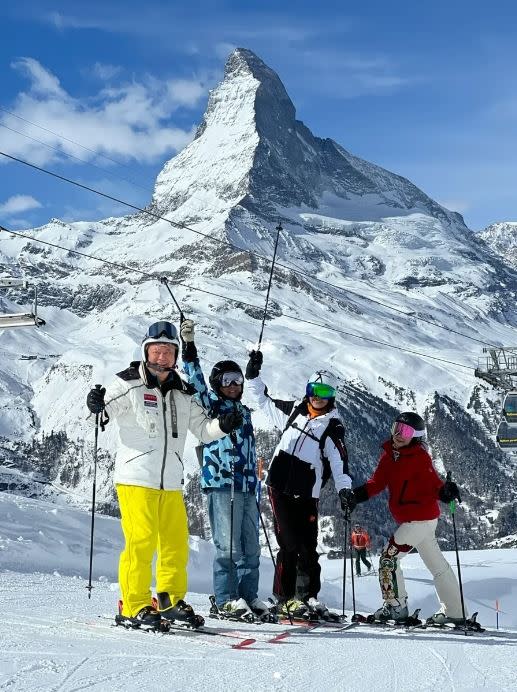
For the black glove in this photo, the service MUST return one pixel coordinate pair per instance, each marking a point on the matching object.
(230, 421)
(449, 491)
(254, 365)
(95, 399)
(348, 500)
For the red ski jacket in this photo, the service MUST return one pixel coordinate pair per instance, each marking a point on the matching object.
(412, 483)
(360, 539)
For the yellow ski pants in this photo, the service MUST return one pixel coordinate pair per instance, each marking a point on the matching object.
(152, 521)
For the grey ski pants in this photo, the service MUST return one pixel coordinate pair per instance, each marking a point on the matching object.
(419, 535)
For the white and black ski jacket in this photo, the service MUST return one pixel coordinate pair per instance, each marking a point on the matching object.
(309, 449)
(152, 428)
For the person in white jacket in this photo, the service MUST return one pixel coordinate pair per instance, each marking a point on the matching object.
(153, 409)
(311, 448)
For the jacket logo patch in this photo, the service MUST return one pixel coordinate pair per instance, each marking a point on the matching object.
(151, 400)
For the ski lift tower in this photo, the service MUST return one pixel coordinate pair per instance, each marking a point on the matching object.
(20, 319)
(500, 371)
(500, 368)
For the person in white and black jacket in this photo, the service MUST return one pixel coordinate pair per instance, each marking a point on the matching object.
(311, 448)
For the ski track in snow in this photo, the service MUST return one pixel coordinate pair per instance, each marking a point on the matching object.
(53, 638)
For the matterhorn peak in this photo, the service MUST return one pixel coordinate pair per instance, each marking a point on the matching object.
(250, 151)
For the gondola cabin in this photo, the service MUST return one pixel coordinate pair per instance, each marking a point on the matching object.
(510, 407)
(506, 436)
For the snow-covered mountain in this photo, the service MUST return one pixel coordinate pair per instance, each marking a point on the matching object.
(502, 239)
(370, 270)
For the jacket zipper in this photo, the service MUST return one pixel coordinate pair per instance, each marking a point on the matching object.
(182, 468)
(164, 411)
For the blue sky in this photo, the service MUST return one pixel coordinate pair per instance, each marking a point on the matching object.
(428, 92)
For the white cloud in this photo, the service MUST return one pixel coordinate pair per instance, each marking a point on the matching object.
(44, 83)
(458, 205)
(18, 204)
(131, 120)
(105, 72)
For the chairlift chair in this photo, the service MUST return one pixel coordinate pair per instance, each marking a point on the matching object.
(20, 319)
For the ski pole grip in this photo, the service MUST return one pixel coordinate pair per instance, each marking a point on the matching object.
(98, 386)
(449, 476)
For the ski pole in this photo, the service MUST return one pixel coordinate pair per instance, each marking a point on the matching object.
(233, 438)
(452, 507)
(266, 536)
(278, 229)
(352, 570)
(345, 542)
(165, 282)
(94, 490)
(370, 558)
(260, 465)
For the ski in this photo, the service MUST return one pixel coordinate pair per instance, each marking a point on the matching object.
(470, 625)
(242, 643)
(171, 628)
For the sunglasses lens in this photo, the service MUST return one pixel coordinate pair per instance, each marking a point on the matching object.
(159, 329)
(229, 378)
(402, 429)
(320, 390)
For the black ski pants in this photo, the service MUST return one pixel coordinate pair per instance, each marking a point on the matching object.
(360, 554)
(296, 529)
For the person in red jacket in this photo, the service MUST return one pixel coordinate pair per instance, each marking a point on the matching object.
(360, 544)
(406, 469)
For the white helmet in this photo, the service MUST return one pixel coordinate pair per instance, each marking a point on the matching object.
(160, 333)
(325, 377)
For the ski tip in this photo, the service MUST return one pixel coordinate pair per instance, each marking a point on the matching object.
(244, 643)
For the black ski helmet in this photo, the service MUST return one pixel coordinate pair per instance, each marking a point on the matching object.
(412, 419)
(218, 371)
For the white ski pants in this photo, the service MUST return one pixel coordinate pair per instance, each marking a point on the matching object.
(419, 535)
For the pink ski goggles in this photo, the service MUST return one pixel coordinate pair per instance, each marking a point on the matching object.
(405, 431)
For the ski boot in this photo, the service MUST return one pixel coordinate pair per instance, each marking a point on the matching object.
(179, 615)
(317, 609)
(147, 618)
(262, 611)
(396, 612)
(294, 608)
(443, 621)
(237, 610)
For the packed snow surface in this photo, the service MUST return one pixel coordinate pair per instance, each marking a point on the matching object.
(52, 637)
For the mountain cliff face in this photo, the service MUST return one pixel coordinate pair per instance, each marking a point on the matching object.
(501, 238)
(374, 280)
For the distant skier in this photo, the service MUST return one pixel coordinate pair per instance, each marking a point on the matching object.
(406, 469)
(154, 408)
(360, 544)
(311, 448)
(235, 585)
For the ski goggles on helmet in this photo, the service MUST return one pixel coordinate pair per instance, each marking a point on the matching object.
(320, 390)
(229, 378)
(406, 431)
(159, 329)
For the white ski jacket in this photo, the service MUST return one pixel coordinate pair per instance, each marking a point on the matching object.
(152, 429)
(309, 449)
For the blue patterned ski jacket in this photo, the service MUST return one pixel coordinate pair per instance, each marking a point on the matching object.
(216, 471)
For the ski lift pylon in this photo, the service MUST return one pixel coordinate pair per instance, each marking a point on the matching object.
(20, 319)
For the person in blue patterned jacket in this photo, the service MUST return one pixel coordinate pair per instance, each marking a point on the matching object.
(235, 585)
